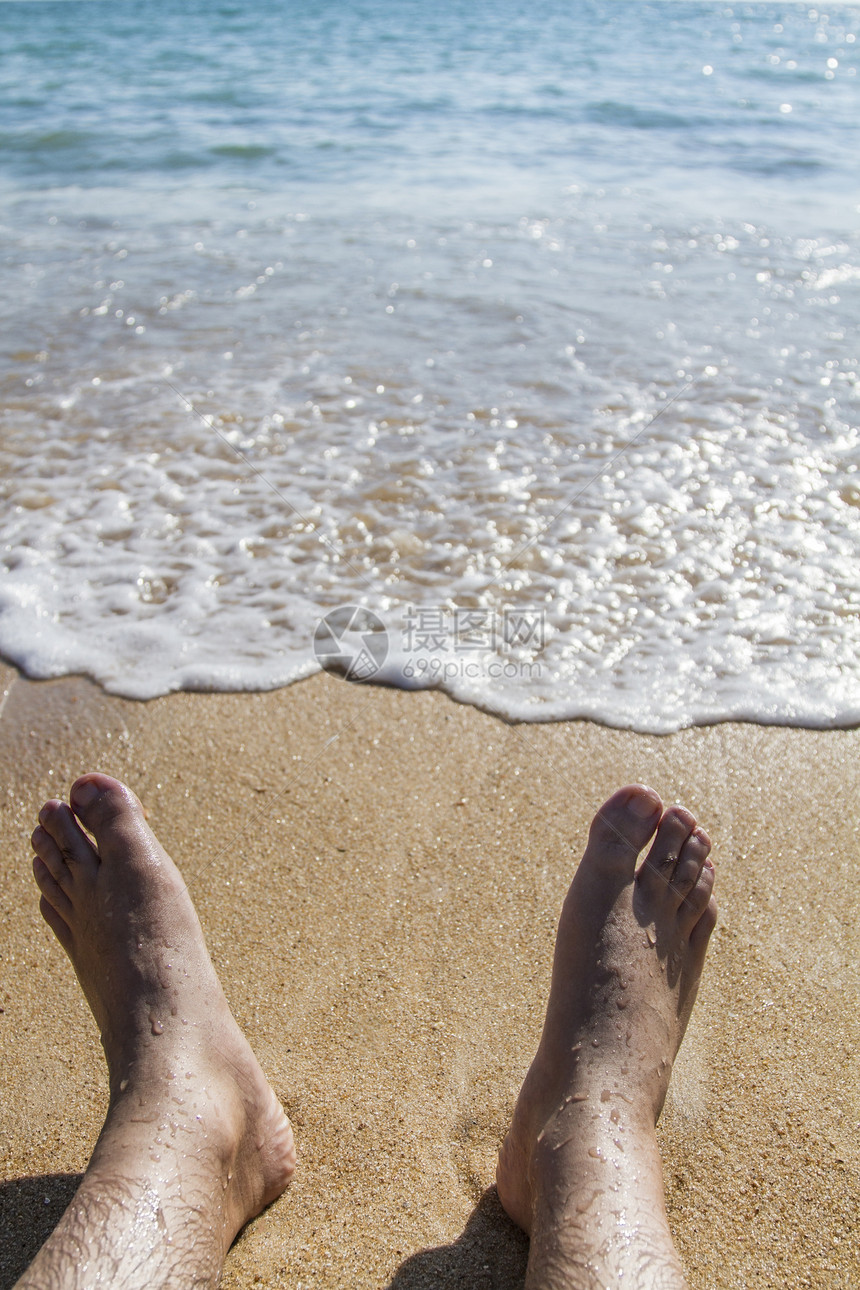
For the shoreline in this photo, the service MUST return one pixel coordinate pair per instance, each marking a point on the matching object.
(386, 679)
(379, 874)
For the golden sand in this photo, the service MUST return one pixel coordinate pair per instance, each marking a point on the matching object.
(379, 876)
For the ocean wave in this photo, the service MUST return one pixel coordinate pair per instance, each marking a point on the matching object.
(487, 311)
(612, 112)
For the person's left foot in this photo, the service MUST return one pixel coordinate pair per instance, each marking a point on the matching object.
(579, 1169)
(184, 1083)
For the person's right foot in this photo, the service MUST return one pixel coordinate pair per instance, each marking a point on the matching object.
(579, 1169)
(194, 1134)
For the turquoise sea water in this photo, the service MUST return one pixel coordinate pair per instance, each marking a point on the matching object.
(541, 313)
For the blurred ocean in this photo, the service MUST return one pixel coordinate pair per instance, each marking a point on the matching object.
(471, 314)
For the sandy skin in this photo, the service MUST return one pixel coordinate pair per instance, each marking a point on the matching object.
(580, 1168)
(195, 1142)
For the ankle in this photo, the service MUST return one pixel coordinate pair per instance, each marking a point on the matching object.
(599, 1214)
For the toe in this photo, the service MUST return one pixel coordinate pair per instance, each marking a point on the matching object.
(69, 838)
(49, 853)
(51, 889)
(701, 933)
(57, 924)
(689, 866)
(658, 867)
(623, 825)
(695, 905)
(105, 806)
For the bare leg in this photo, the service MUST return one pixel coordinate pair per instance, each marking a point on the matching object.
(580, 1169)
(195, 1142)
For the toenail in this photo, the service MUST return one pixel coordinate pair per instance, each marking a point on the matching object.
(85, 794)
(643, 805)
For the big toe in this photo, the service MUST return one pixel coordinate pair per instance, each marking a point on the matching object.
(107, 808)
(621, 828)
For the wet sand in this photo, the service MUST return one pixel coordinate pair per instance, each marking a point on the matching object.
(379, 876)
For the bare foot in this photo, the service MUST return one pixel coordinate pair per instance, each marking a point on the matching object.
(195, 1142)
(580, 1169)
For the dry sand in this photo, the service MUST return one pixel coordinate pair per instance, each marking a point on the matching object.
(379, 875)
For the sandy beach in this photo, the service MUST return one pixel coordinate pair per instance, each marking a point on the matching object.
(379, 874)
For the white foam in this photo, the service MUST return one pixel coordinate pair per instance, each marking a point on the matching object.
(679, 499)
